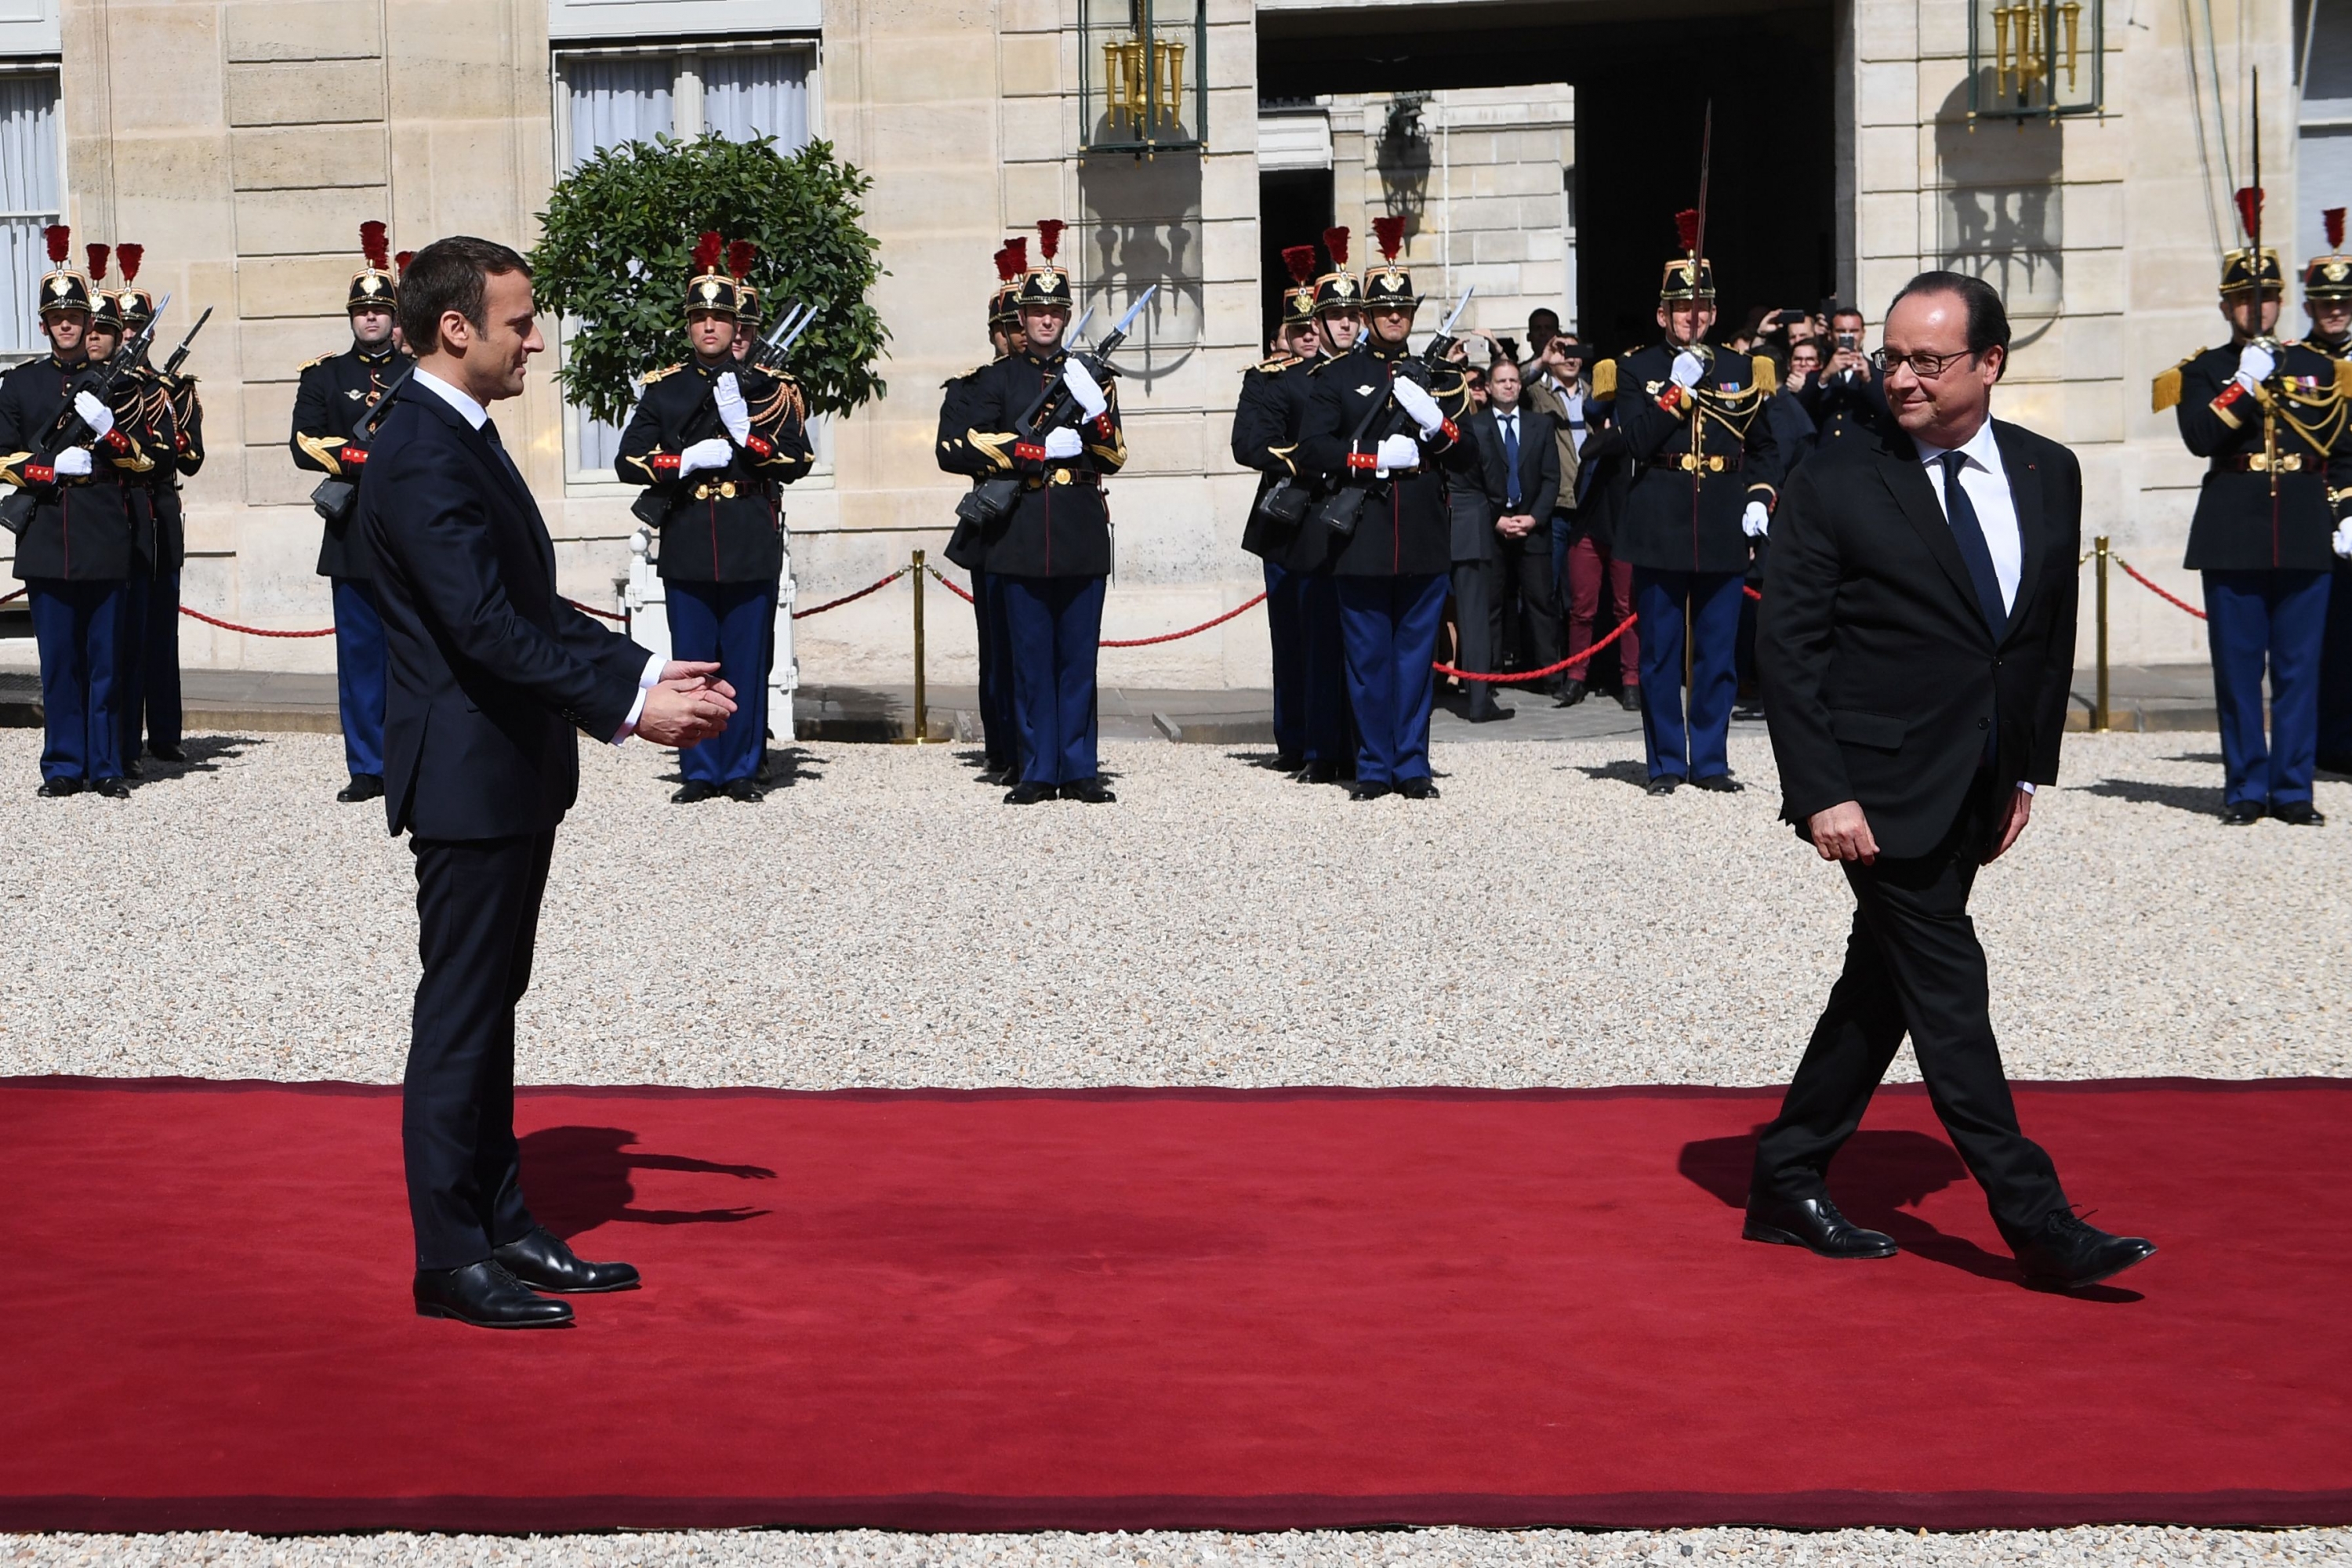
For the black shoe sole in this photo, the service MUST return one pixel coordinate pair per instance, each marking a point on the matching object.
(1753, 1231)
(428, 1309)
(577, 1289)
(2059, 1286)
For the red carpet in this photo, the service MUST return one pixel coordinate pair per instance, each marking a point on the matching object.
(1134, 1309)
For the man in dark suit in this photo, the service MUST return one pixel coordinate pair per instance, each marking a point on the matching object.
(1518, 457)
(1918, 644)
(489, 672)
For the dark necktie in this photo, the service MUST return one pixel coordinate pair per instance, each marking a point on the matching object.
(1968, 535)
(490, 433)
(1511, 456)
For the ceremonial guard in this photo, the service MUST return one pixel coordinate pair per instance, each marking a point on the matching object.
(2327, 300)
(1382, 423)
(172, 412)
(714, 441)
(75, 551)
(335, 391)
(1700, 471)
(2269, 417)
(100, 343)
(999, 743)
(1045, 430)
(1266, 419)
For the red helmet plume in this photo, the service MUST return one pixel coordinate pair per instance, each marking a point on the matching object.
(1300, 259)
(1049, 237)
(401, 261)
(1017, 251)
(1335, 245)
(706, 251)
(1390, 231)
(2249, 209)
(2333, 218)
(1687, 229)
(1008, 263)
(375, 243)
(739, 258)
(98, 254)
(60, 238)
(127, 257)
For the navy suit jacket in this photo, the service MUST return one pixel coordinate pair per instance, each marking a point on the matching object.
(489, 672)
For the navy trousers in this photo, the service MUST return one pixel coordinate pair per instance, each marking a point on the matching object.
(359, 675)
(1054, 626)
(160, 669)
(998, 736)
(78, 627)
(2335, 674)
(1389, 627)
(1323, 676)
(733, 624)
(130, 666)
(1702, 748)
(1286, 616)
(2278, 619)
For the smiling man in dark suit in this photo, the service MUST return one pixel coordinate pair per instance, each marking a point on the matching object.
(489, 673)
(1917, 646)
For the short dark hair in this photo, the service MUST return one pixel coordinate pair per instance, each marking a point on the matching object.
(1540, 318)
(447, 275)
(1840, 308)
(1988, 322)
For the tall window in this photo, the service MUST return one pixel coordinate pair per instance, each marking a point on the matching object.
(30, 200)
(608, 97)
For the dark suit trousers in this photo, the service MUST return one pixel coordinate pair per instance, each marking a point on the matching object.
(1526, 566)
(478, 920)
(1913, 962)
(1479, 618)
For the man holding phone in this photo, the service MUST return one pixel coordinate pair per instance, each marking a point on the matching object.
(1847, 397)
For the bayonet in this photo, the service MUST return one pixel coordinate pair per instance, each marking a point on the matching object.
(1461, 305)
(179, 355)
(1119, 331)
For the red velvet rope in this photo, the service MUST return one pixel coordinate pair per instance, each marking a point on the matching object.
(1620, 629)
(2133, 571)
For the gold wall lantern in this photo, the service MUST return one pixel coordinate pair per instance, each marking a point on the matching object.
(2028, 60)
(1140, 79)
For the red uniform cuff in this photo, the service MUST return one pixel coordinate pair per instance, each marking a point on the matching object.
(1363, 460)
(41, 473)
(759, 445)
(1672, 398)
(118, 440)
(1102, 425)
(353, 456)
(1028, 452)
(663, 462)
(1451, 433)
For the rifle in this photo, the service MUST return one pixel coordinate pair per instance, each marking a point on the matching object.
(991, 500)
(1344, 507)
(333, 499)
(179, 355)
(651, 507)
(71, 428)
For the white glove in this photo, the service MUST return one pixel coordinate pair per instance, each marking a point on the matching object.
(1082, 387)
(73, 463)
(2344, 539)
(1416, 402)
(2255, 364)
(729, 395)
(94, 414)
(1062, 441)
(715, 453)
(1688, 367)
(1399, 452)
(1755, 520)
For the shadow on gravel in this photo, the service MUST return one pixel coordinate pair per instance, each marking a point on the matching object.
(205, 755)
(579, 1178)
(2196, 799)
(785, 766)
(2211, 759)
(1636, 774)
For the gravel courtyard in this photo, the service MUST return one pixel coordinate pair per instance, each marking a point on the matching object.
(882, 921)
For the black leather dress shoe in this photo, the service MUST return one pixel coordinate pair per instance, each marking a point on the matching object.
(1094, 792)
(1367, 791)
(168, 751)
(1286, 763)
(747, 791)
(57, 789)
(694, 793)
(488, 1297)
(542, 1262)
(2241, 813)
(2064, 1254)
(1719, 784)
(1629, 698)
(364, 786)
(112, 789)
(1027, 794)
(1417, 789)
(132, 768)
(1816, 1225)
(1665, 783)
(2298, 814)
(1571, 694)
(1320, 773)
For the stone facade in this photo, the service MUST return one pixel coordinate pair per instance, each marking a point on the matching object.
(243, 141)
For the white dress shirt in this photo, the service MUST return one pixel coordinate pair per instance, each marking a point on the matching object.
(476, 416)
(1986, 484)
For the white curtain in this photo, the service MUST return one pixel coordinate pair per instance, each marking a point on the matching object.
(28, 202)
(613, 100)
(751, 95)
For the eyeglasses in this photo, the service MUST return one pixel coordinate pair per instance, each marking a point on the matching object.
(1926, 367)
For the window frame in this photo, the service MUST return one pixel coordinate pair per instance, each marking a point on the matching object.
(52, 66)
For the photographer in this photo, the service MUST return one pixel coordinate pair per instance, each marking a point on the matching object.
(1847, 398)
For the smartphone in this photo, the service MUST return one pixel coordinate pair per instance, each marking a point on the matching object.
(1849, 339)
(1789, 317)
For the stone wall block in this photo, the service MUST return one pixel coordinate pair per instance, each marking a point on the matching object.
(296, 285)
(276, 349)
(308, 157)
(301, 30)
(306, 223)
(312, 92)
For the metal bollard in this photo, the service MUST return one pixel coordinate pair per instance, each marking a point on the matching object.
(922, 707)
(2099, 713)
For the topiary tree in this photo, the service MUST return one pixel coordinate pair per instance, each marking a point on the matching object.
(617, 250)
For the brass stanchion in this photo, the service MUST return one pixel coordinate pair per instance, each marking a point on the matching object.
(2100, 715)
(922, 707)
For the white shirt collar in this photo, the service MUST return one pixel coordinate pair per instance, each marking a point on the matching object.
(473, 413)
(1980, 447)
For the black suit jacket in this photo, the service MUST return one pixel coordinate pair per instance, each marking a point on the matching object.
(1880, 673)
(1539, 463)
(489, 670)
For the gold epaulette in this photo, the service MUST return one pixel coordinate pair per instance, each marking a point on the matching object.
(1767, 372)
(2344, 377)
(654, 375)
(1276, 362)
(2166, 390)
(1604, 380)
(315, 363)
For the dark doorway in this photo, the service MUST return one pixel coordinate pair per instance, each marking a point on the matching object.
(1294, 208)
(1643, 74)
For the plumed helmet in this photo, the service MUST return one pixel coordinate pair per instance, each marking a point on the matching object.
(2329, 276)
(373, 287)
(1046, 283)
(137, 305)
(1388, 284)
(1005, 301)
(62, 286)
(1338, 290)
(713, 288)
(1689, 276)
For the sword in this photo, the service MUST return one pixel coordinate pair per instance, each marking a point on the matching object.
(1706, 160)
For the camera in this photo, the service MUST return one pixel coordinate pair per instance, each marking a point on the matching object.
(1849, 340)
